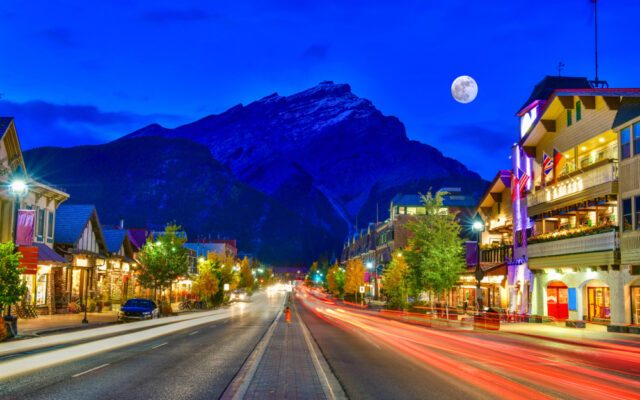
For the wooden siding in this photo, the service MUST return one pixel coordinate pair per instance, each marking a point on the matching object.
(575, 260)
(629, 177)
(630, 248)
(88, 239)
(592, 123)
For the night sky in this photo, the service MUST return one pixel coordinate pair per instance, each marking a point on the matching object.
(86, 72)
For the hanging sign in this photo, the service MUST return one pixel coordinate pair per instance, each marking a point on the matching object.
(24, 227)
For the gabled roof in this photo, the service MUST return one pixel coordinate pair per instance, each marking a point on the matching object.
(71, 220)
(45, 254)
(545, 88)
(138, 238)
(114, 238)
(498, 185)
(629, 109)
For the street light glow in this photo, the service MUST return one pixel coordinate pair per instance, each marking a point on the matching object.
(369, 265)
(477, 226)
(18, 187)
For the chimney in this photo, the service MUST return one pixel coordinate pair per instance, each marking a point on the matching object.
(121, 222)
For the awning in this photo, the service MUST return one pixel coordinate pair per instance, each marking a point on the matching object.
(489, 268)
(47, 255)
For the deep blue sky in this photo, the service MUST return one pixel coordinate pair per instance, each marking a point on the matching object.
(88, 72)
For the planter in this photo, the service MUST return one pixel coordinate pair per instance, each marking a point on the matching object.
(575, 324)
(11, 323)
(617, 328)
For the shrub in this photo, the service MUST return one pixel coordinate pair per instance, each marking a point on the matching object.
(165, 308)
(91, 305)
(74, 308)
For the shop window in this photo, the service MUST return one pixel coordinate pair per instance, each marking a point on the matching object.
(637, 213)
(578, 111)
(40, 224)
(636, 139)
(625, 143)
(41, 289)
(627, 213)
(50, 225)
(569, 121)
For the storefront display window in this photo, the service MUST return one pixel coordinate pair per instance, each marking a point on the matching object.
(42, 289)
(599, 306)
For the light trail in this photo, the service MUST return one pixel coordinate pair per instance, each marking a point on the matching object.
(506, 366)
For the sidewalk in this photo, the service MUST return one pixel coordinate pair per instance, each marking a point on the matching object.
(53, 323)
(287, 369)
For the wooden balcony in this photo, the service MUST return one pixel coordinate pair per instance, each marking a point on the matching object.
(497, 254)
(589, 250)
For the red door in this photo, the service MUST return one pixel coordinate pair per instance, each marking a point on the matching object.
(558, 300)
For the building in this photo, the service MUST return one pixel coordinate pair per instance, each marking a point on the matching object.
(42, 264)
(79, 238)
(116, 278)
(566, 214)
(203, 247)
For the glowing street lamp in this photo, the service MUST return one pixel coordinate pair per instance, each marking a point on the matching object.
(478, 227)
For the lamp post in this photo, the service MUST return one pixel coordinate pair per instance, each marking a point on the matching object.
(370, 266)
(18, 188)
(478, 228)
(86, 294)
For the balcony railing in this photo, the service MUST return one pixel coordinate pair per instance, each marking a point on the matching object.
(497, 254)
(574, 183)
(573, 245)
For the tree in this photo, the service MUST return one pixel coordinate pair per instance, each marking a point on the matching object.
(311, 275)
(164, 260)
(207, 283)
(246, 275)
(354, 276)
(395, 282)
(223, 266)
(12, 288)
(335, 279)
(435, 255)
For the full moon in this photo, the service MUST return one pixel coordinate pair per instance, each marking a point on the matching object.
(464, 89)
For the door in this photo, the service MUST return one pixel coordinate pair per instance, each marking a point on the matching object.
(635, 304)
(558, 300)
(599, 306)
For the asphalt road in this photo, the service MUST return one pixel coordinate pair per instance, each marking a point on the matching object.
(195, 363)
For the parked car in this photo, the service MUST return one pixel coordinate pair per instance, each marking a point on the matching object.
(138, 309)
(238, 295)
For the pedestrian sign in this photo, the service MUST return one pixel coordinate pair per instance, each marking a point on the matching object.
(361, 289)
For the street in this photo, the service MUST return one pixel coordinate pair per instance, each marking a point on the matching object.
(369, 357)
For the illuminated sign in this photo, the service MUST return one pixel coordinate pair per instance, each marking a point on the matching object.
(527, 120)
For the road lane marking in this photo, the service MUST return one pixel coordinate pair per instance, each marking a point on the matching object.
(158, 345)
(193, 333)
(90, 370)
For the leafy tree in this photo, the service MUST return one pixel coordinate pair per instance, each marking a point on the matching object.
(395, 282)
(12, 288)
(309, 279)
(164, 260)
(435, 255)
(246, 275)
(207, 283)
(354, 276)
(335, 279)
(223, 266)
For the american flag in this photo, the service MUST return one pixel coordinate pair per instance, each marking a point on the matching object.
(523, 179)
(514, 187)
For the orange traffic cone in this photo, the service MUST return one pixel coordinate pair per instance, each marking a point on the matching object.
(287, 313)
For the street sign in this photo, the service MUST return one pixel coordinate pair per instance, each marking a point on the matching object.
(361, 289)
(226, 287)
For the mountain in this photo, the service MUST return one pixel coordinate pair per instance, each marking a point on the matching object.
(158, 180)
(325, 153)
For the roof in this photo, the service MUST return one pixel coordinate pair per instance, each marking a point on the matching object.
(545, 88)
(449, 200)
(501, 182)
(4, 123)
(114, 238)
(71, 220)
(138, 237)
(629, 109)
(45, 254)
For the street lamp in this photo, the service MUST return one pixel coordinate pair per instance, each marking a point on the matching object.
(375, 278)
(18, 188)
(478, 228)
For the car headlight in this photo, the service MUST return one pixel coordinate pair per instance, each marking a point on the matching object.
(146, 314)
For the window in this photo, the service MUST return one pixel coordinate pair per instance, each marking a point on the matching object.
(625, 143)
(50, 226)
(636, 139)
(638, 213)
(578, 111)
(569, 118)
(40, 224)
(627, 222)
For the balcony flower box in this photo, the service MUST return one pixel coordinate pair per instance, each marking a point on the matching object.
(571, 233)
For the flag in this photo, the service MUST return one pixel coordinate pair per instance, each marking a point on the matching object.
(547, 167)
(558, 163)
(514, 187)
(523, 179)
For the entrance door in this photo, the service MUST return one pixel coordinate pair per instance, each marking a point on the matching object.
(558, 300)
(599, 307)
(635, 304)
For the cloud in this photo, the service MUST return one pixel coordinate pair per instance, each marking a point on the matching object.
(176, 15)
(315, 52)
(59, 36)
(40, 123)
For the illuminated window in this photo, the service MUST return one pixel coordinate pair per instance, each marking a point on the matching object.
(625, 143)
(578, 111)
(411, 210)
(636, 139)
(569, 118)
(627, 213)
(50, 226)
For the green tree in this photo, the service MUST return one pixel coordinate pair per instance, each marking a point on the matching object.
(435, 255)
(12, 288)
(309, 279)
(246, 275)
(335, 279)
(164, 260)
(354, 277)
(395, 282)
(206, 284)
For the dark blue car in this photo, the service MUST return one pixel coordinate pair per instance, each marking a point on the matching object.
(138, 309)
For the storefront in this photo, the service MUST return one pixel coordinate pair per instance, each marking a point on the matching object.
(558, 300)
(598, 304)
(635, 304)
(493, 287)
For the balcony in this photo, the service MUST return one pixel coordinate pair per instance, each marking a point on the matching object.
(497, 254)
(576, 182)
(605, 240)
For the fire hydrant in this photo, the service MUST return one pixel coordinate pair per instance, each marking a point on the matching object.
(287, 313)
